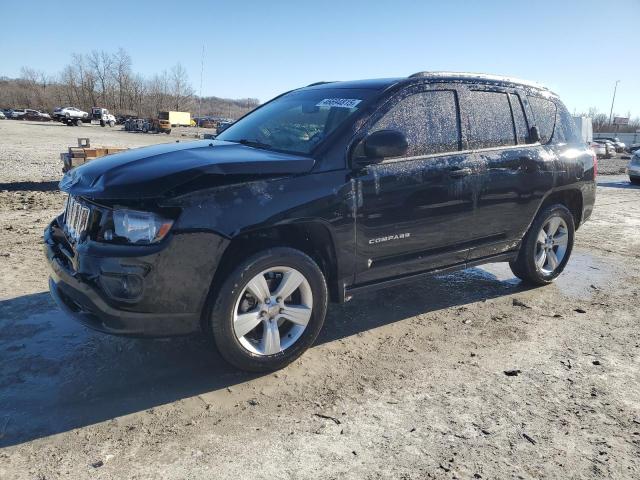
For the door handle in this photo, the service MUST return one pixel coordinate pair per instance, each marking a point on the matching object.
(460, 172)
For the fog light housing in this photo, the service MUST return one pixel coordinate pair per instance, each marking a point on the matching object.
(122, 287)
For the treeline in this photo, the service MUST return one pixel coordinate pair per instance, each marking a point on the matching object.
(107, 80)
(601, 123)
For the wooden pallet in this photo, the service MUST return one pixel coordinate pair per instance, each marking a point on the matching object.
(84, 153)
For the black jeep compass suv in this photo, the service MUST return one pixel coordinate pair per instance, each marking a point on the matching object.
(323, 192)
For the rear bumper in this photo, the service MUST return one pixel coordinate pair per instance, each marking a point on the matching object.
(167, 304)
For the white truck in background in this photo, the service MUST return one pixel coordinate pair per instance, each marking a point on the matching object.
(585, 127)
(102, 117)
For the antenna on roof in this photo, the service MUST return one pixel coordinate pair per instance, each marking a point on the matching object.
(319, 83)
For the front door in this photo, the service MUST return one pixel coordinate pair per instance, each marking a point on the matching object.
(414, 212)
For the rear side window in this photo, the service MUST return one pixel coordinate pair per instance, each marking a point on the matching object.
(566, 130)
(522, 131)
(544, 112)
(430, 121)
(490, 120)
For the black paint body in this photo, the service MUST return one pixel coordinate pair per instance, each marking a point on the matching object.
(462, 208)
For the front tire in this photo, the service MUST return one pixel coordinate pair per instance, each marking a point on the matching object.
(546, 247)
(269, 310)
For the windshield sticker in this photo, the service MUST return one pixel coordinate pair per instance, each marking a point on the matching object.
(339, 102)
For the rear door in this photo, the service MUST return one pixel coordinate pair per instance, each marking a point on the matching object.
(414, 211)
(515, 173)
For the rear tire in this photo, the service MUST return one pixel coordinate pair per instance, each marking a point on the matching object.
(78, 123)
(546, 247)
(254, 349)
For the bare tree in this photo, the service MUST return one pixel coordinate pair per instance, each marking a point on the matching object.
(181, 91)
(107, 79)
(122, 72)
(100, 63)
(158, 92)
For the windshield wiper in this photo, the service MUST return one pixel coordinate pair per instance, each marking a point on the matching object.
(252, 143)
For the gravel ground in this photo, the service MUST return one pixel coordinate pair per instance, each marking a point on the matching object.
(406, 383)
(614, 166)
(30, 151)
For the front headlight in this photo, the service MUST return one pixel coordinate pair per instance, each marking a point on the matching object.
(138, 227)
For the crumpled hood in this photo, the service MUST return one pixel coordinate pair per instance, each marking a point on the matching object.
(151, 172)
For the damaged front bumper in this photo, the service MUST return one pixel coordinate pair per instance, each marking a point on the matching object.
(130, 290)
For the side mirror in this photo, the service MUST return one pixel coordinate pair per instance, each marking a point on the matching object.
(384, 144)
(534, 135)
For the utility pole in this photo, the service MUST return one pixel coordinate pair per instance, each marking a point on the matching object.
(612, 102)
(200, 96)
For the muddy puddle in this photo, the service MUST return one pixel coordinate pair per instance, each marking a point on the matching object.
(582, 277)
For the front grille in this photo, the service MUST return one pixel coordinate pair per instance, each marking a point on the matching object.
(76, 218)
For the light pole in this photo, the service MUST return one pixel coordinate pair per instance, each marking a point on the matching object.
(612, 102)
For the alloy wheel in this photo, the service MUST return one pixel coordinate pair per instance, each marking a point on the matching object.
(272, 311)
(551, 245)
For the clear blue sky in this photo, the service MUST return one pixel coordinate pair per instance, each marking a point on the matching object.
(258, 49)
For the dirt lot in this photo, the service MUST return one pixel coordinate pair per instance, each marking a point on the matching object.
(407, 383)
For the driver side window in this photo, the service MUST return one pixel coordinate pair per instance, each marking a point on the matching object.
(429, 120)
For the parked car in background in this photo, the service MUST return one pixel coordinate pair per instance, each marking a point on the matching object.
(634, 168)
(146, 125)
(634, 146)
(599, 149)
(134, 124)
(609, 147)
(17, 113)
(222, 126)
(619, 146)
(36, 115)
(122, 119)
(69, 112)
(323, 193)
(2, 115)
(206, 123)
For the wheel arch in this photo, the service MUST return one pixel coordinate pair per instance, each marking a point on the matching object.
(312, 237)
(570, 198)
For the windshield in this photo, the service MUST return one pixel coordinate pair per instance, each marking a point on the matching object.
(297, 121)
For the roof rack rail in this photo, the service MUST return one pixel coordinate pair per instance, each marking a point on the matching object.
(320, 83)
(477, 76)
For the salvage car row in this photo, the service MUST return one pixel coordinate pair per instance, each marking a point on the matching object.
(68, 115)
(38, 115)
(25, 114)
